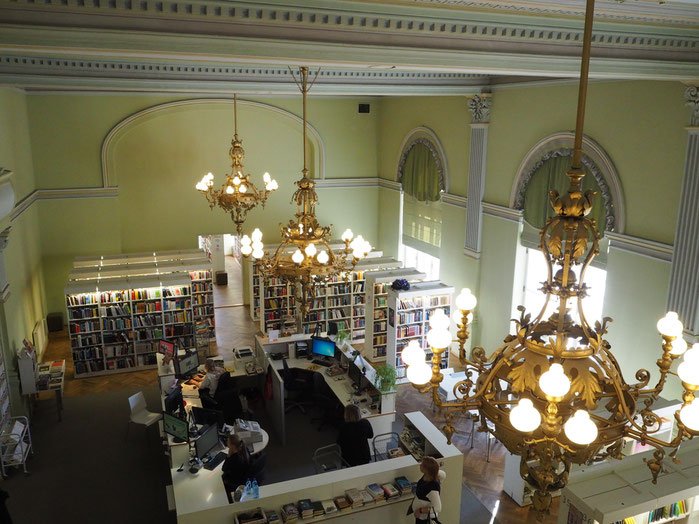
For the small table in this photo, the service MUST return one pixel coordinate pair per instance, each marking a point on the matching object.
(50, 376)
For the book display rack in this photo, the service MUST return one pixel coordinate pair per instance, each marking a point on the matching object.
(376, 313)
(115, 324)
(408, 319)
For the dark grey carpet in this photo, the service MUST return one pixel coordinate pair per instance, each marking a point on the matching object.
(84, 471)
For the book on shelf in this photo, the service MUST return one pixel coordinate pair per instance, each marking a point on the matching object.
(376, 492)
(404, 485)
(366, 497)
(290, 512)
(354, 498)
(305, 508)
(317, 508)
(390, 491)
(251, 516)
(329, 507)
(342, 503)
(272, 516)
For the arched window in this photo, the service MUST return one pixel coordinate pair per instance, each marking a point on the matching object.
(422, 176)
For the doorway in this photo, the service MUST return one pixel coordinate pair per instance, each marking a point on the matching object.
(224, 252)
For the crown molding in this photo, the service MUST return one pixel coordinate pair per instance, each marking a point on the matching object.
(454, 200)
(507, 213)
(640, 246)
(60, 194)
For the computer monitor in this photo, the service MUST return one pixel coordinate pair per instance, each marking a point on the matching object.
(166, 348)
(176, 427)
(174, 402)
(323, 347)
(207, 441)
(355, 375)
(186, 365)
(208, 417)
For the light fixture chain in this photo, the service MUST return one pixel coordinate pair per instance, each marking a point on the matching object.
(582, 91)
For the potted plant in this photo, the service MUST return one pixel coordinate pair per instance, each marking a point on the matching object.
(386, 378)
(342, 337)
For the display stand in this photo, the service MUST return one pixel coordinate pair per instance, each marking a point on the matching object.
(376, 314)
(408, 319)
(15, 444)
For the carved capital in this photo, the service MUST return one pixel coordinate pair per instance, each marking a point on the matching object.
(691, 100)
(480, 109)
(4, 238)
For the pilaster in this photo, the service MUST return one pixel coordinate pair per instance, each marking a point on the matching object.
(683, 293)
(479, 106)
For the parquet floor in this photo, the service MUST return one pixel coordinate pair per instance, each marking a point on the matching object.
(234, 328)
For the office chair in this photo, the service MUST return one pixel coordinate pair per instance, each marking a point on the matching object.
(258, 463)
(296, 385)
(326, 403)
(140, 413)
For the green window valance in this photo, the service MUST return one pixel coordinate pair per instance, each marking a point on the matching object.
(420, 174)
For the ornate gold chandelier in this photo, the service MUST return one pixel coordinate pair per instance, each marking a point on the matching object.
(304, 258)
(553, 393)
(238, 194)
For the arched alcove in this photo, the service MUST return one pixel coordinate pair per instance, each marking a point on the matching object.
(424, 135)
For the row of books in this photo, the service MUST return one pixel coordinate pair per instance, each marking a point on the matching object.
(671, 510)
(146, 360)
(87, 354)
(147, 320)
(118, 351)
(409, 331)
(627, 520)
(358, 311)
(439, 300)
(89, 366)
(180, 316)
(380, 326)
(86, 312)
(116, 323)
(144, 294)
(359, 299)
(410, 317)
(318, 303)
(114, 296)
(79, 341)
(200, 275)
(85, 326)
(380, 302)
(338, 289)
(358, 287)
(78, 300)
(277, 292)
(381, 288)
(116, 311)
(176, 291)
(205, 310)
(338, 313)
(277, 304)
(358, 335)
(379, 351)
(178, 330)
(149, 334)
(379, 340)
(121, 363)
(430, 312)
(117, 337)
(410, 303)
(338, 301)
(179, 303)
(314, 316)
(358, 323)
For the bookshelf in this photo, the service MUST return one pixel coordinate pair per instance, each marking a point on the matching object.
(408, 319)
(114, 324)
(376, 312)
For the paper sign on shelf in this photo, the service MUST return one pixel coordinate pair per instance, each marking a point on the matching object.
(273, 335)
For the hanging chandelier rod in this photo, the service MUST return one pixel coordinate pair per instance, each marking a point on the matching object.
(576, 165)
(304, 87)
(235, 115)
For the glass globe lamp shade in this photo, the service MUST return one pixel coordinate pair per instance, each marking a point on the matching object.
(689, 415)
(358, 254)
(358, 243)
(367, 247)
(257, 253)
(310, 250)
(439, 320)
(243, 188)
(679, 346)
(245, 241)
(267, 179)
(236, 180)
(580, 429)
(347, 235)
(466, 301)
(457, 316)
(273, 185)
(688, 370)
(229, 190)
(297, 257)
(439, 338)
(670, 325)
(554, 382)
(257, 235)
(257, 245)
(525, 417)
(419, 374)
(413, 354)
(323, 257)
(245, 249)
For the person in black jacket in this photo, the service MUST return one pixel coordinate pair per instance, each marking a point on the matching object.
(354, 437)
(237, 464)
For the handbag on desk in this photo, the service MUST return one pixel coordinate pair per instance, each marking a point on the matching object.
(430, 519)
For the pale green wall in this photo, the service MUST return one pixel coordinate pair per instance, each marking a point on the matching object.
(389, 221)
(25, 305)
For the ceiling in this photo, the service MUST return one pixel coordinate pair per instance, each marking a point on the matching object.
(407, 47)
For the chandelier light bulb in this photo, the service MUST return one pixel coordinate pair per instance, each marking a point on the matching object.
(439, 320)
(358, 243)
(419, 374)
(689, 415)
(554, 382)
(243, 188)
(257, 253)
(466, 301)
(323, 257)
(413, 354)
(347, 235)
(310, 250)
(688, 370)
(245, 249)
(267, 179)
(358, 254)
(257, 245)
(679, 346)
(245, 240)
(257, 235)
(524, 416)
(297, 257)
(236, 180)
(580, 429)
(229, 190)
(457, 316)
(670, 325)
(439, 338)
(273, 185)
(367, 247)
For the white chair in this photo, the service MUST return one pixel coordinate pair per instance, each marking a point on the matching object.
(140, 413)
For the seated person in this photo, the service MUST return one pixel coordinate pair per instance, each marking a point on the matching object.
(213, 373)
(354, 437)
(237, 464)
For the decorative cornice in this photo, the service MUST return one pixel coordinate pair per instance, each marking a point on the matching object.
(479, 106)
(640, 246)
(59, 194)
(495, 210)
(454, 200)
(346, 183)
(389, 184)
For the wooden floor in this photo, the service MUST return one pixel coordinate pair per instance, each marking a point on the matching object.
(235, 328)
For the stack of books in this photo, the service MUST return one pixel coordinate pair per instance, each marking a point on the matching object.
(342, 503)
(354, 498)
(376, 492)
(290, 513)
(390, 491)
(305, 508)
(318, 508)
(329, 507)
(253, 516)
(404, 486)
(272, 516)
(366, 497)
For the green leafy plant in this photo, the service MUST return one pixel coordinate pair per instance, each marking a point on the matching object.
(342, 337)
(386, 377)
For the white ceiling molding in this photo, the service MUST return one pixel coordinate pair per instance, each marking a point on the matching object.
(124, 125)
(60, 194)
(640, 246)
(507, 213)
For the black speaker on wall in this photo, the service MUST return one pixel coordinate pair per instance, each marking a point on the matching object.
(364, 108)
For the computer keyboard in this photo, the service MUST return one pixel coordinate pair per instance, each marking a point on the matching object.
(220, 457)
(323, 363)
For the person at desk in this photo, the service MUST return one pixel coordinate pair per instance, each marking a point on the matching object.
(213, 373)
(237, 464)
(354, 437)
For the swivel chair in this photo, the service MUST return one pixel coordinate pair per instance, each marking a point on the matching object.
(296, 386)
(328, 407)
